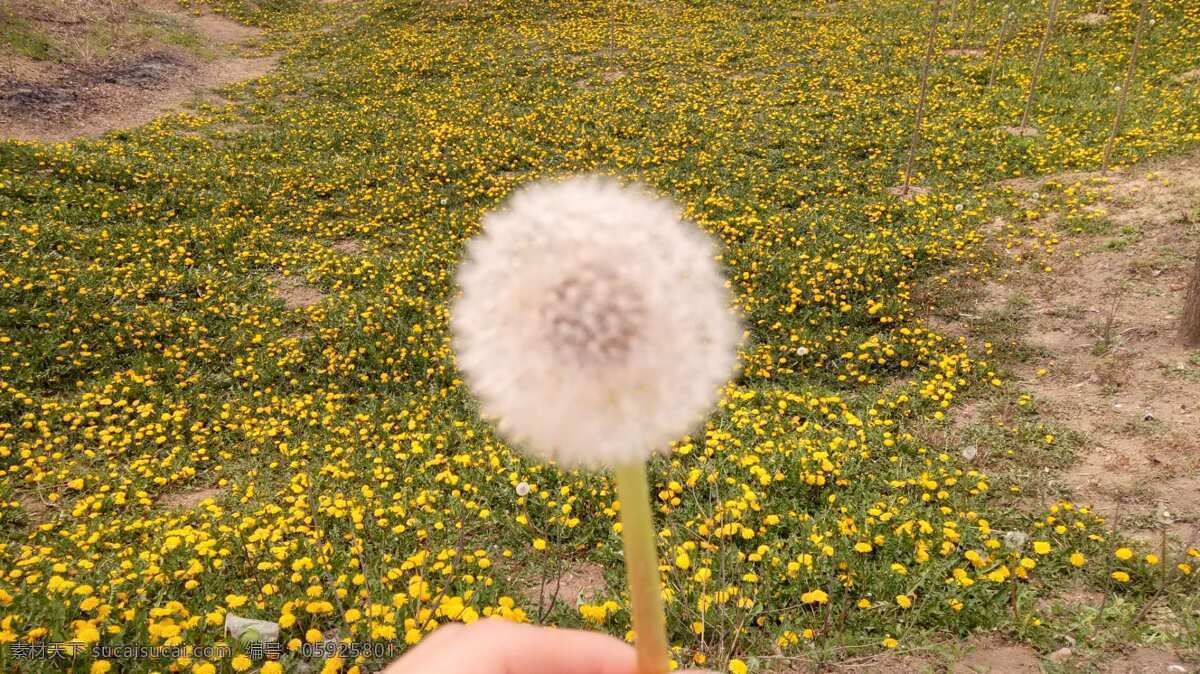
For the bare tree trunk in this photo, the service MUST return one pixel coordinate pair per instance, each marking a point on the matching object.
(1189, 325)
(1037, 65)
(999, 45)
(916, 131)
(1125, 83)
(968, 19)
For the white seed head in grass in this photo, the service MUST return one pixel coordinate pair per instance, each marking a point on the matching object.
(593, 324)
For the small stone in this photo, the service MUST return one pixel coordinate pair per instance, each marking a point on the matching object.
(248, 629)
(1061, 654)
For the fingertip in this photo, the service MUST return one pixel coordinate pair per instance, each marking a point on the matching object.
(527, 649)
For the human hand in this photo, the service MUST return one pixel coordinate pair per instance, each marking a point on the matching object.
(496, 646)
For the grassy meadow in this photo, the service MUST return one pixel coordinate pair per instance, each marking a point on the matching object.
(226, 384)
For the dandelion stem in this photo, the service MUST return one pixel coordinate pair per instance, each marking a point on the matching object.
(916, 132)
(1133, 54)
(1037, 65)
(641, 567)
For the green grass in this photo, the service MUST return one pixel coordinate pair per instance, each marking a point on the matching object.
(18, 37)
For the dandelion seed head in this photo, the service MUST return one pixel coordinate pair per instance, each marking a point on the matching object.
(1015, 540)
(594, 324)
(593, 316)
(522, 488)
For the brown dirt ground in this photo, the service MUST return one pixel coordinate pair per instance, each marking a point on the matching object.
(36, 510)
(1021, 131)
(348, 246)
(907, 192)
(992, 655)
(1092, 19)
(1108, 364)
(577, 581)
(1147, 661)
(997, 657)
(965, 53)
(84, 92)
(293, 292)
(189, 499)
(985, 654)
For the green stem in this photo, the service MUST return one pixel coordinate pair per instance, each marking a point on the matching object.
(641, 566)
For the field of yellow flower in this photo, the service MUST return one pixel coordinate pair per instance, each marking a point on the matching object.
(226, 385)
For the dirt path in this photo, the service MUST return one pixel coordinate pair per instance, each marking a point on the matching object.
(1101, 328)
(171, 58)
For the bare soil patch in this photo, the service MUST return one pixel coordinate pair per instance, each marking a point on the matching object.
(1105, 332)
(1092, 19)
(1147, 661)
(166, 60)
(612, 75)
(36, 510)
(348, 246)
(608, 76)
(907, 192)
(1021, 131)
(998, 657)
(189, 499)
(577, 582)
(293, 292)
(965, 53)
(979, 656)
